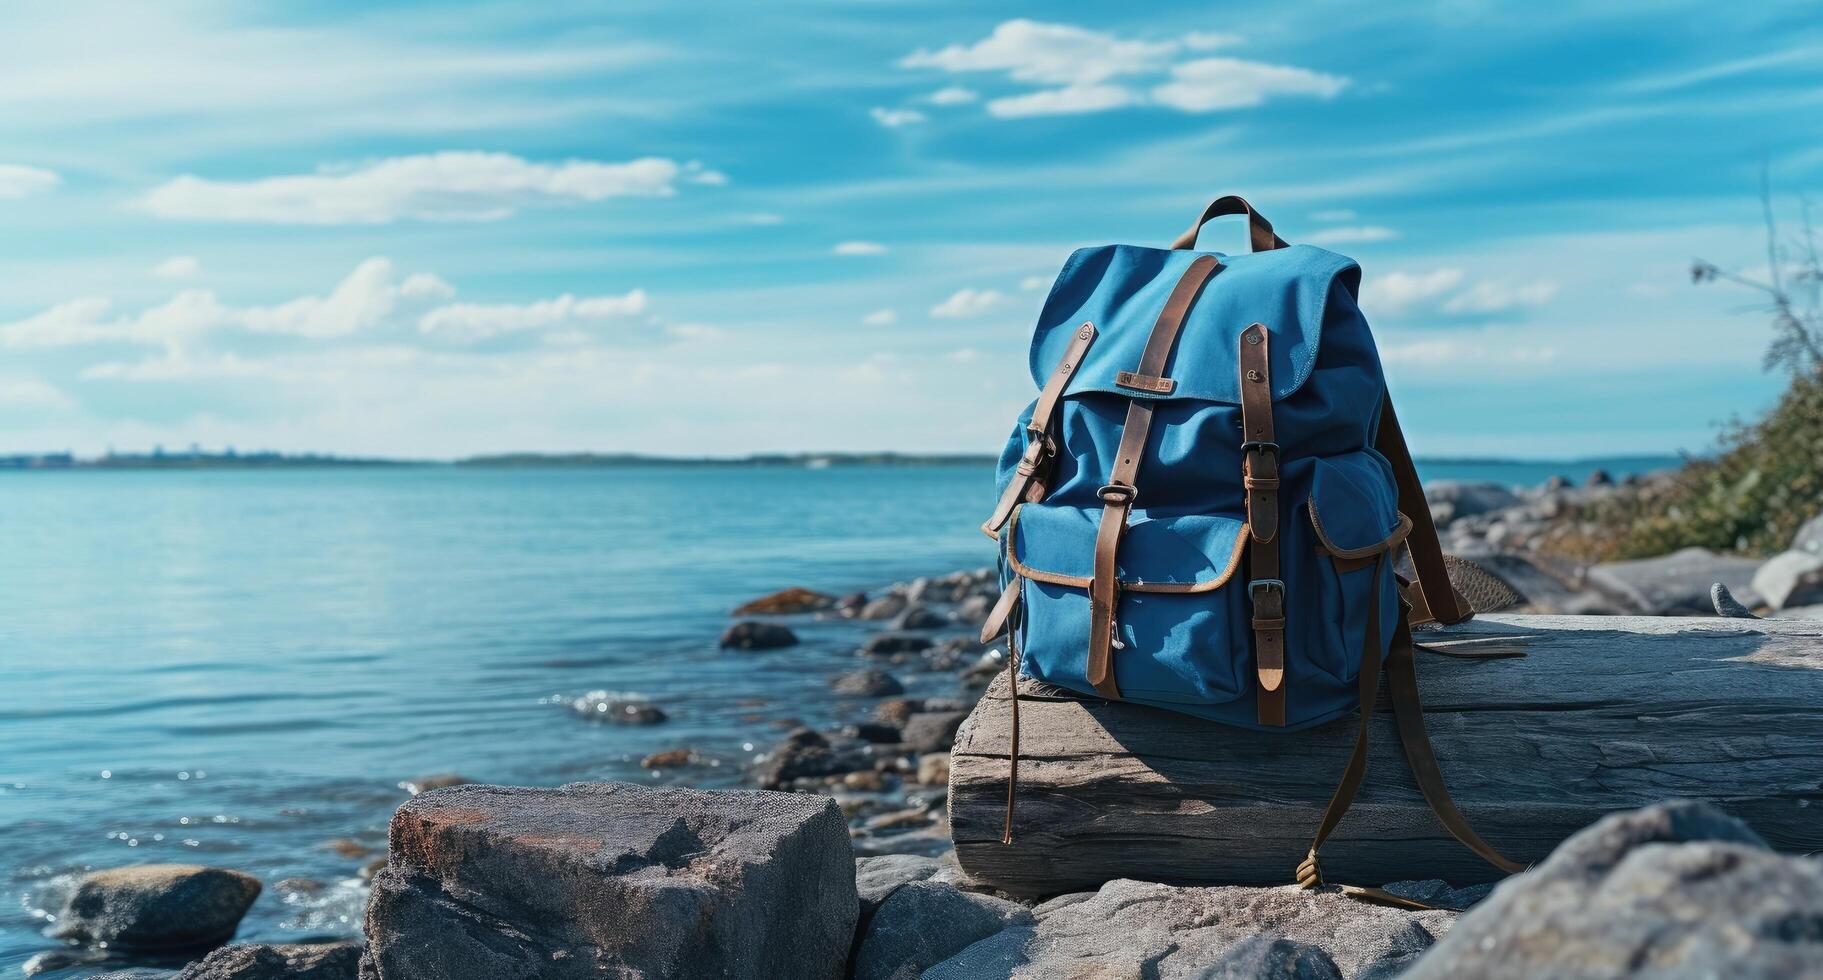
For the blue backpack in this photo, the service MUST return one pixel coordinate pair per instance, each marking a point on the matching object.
(1201, 508)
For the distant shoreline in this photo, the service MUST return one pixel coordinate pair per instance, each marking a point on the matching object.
(266, 460)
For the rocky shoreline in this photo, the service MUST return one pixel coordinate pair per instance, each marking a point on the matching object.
(881, 783)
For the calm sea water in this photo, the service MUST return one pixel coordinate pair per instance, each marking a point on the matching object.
(239, 667)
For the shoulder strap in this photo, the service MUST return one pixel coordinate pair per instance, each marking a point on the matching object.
(1435, 598)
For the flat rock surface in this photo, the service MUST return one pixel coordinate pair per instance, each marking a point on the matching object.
(157, 906)
(1144, 930)
(1673, 890)
(612, 879)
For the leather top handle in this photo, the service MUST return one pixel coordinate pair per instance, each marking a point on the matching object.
(1259, 230)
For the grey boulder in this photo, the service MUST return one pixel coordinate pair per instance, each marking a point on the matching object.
(1809, 537)
(278, 961)
(1676, 584)
(885, 607)
(896, 642)
(1452, 499)
(925, 922)
(867, 683)
(806, 754)
(157, 906)
(612, 879)
(879, 876)
(1674, 890)
(919, 617)
(1142, 929)
(931, 731)
(1790, 579)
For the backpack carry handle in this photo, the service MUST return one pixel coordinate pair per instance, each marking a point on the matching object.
(1259, 230)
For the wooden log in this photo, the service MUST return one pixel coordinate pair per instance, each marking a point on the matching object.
(1602, 714)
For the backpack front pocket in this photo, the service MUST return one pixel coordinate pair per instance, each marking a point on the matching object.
(1181, 620)
(1351, 518)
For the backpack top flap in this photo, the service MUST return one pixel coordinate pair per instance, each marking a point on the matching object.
(1122, 288)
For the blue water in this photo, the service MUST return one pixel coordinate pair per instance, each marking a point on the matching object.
(237, 667)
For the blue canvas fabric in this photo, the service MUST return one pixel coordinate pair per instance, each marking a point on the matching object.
(1191, 650)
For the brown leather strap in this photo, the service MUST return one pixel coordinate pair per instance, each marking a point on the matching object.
(1118, 493)
(1439, 599)
(1259, 230)
(1260, 479)
(1310, 873)
(1033, 470)
(1408, 718)
(1408, 715)
(1012, 752)
(1001, 614)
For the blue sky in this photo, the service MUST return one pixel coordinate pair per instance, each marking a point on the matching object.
(436, 229)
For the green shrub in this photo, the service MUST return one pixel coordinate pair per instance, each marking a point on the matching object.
(1750, 498)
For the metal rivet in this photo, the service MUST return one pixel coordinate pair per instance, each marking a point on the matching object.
(1253, 375)
(1253, 337)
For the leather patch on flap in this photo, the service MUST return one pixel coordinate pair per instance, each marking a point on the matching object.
(1145, 382)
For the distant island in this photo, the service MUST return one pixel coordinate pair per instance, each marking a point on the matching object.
(196, 458)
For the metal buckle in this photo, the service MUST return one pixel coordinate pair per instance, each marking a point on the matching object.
(1273, 605)
(1260, 446)
(1117, 493)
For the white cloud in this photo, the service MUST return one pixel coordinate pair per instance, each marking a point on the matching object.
(967, 303)
(858, 248)
(1030, 283)
(1049, 54)
(1069, 100)
(694, 332)
(880, 318)
(32, 393)
(18, 180)
(1499, 297)
(953, 95)
(1350, 235)
(178, 267)
(1442, 290)
(1078, 70)
(1466, 353)
(475, 321)
(360, 302)
(448, 186)
(894, 118)
(1212, 84)
(764, 219)
(964, 355)
(1396, 292)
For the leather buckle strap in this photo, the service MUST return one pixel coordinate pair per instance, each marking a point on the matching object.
(1118, 493)
(1032, 474)
(1260, 478)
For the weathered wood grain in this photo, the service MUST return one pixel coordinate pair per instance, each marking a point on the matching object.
(1602, 714)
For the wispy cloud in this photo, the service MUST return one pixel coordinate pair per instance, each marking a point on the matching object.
(953, 95)
(1396, 292)
(178, 267)
(967, 303)
(18, 180)
(895, 118)
(1079, 70)
(1499, 297)
(1351, 235)
(476, 321)
(449, 186)
(1442, 290)
(858, 248)
(880, 318)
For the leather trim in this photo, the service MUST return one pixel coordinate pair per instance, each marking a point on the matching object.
(997, 617)
(1084, 582)
(1438, 597)
(1260, 478)
(1031, 477)
(1145, 382)
(1399, 532)
(1259, 231)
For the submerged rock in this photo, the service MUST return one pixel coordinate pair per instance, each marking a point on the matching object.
(787, 602)
(1673, 890)
(613, 880)
(919, 617)
(806, 754)
(867, 683)
(670, 759)
(888, 644)
(885, 607)
(157, 907)
(1140, 929)
(755, 635)
(278, 961)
